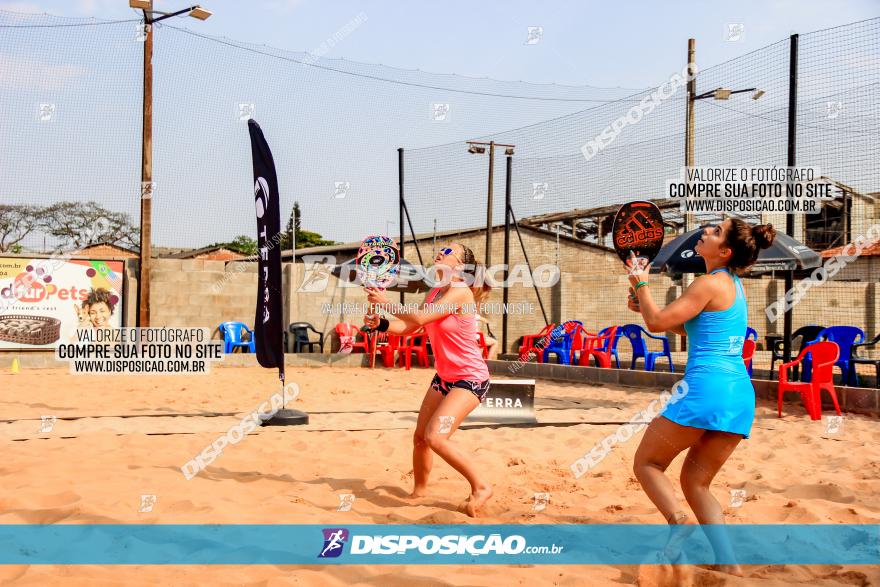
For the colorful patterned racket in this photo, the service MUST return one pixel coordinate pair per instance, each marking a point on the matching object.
(638, 230)
(377, 263)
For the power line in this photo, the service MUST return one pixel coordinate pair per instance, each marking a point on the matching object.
(389, 80)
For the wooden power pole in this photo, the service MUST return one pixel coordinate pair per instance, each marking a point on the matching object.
(146, 177)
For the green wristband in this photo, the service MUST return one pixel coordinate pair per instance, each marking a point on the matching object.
(640, 284)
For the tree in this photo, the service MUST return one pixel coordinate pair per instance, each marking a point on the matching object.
(307, 238)
(81, 224)
(303, 238)
(293, 226)
(16, 222)
(241, 244)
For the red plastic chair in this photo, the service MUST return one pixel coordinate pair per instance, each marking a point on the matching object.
(579, 342)
(481, 340)
(535, 342)
(387, 350)
(593, 347)
(413, 344)
(375, 338)
(748, 352)
(346, 329)
(824, 355)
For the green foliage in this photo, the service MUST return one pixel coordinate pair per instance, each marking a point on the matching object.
(81, 224)
(241, 244)
(73, 225)
(307, 238)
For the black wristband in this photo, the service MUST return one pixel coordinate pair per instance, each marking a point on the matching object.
(383, 325)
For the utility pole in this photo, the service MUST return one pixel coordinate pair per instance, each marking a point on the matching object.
(146, 249)
(689, 150)
(480, 147)
(689, 114)
(489, 204)
(146, 243)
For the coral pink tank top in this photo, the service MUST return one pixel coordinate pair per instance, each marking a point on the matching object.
(457, 356)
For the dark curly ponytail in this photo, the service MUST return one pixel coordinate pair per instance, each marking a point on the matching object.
(746, 241)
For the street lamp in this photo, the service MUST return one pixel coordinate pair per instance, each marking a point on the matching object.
(147, 7)
(146, 251)
(478, 147)
(725, 94)
(692, 97)
(689, 130)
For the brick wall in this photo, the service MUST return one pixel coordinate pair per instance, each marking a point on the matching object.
(592, 288)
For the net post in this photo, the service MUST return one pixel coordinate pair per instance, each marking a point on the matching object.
(400, 208)
(505, 293)
(792, 161)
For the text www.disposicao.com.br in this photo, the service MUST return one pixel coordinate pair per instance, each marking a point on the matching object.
(752, 205)
(139, 366)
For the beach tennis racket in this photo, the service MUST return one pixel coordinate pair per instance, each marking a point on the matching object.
(638, 234)
(377, 263)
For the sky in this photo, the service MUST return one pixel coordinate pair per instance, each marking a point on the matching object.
(326, 128)
(599, 43)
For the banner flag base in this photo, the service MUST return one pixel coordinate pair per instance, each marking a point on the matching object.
(285, 417)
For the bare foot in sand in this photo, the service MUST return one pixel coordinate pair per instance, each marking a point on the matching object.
(476, 500)
(680, 528)
(665, 575)
(418, 492)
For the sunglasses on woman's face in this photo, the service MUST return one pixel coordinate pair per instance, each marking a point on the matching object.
(448, 251)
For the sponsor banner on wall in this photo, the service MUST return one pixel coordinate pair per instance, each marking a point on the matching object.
(44, 301)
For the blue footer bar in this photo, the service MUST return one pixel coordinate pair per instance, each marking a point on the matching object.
(574, 544)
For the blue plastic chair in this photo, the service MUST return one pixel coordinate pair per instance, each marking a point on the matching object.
(612, 343)
(634, 333)
(232, 337)
(561, 341)
(845, 337)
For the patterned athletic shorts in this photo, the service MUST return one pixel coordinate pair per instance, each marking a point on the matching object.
(478, 388)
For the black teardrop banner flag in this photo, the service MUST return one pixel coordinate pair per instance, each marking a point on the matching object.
(268, 327)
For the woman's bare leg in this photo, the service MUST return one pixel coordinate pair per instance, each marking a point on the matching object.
(423, 458)
(446, 419)
(662, 442)
(702, 463)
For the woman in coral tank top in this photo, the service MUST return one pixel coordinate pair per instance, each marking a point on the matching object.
(462, 378)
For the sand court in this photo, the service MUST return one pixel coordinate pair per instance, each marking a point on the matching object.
(115, 440)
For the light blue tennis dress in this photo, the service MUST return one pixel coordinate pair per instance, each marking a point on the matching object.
(719, 393)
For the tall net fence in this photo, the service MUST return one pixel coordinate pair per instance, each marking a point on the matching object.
(71, 99)
(565, 167)
(71, 94)
(72, 88)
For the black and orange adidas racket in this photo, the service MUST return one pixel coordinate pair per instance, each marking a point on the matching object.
(638, 233)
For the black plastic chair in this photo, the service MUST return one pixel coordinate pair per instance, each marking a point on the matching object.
(300, 332)
(776, 343)
(856, 360)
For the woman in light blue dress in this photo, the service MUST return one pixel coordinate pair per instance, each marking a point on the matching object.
(714, 411)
